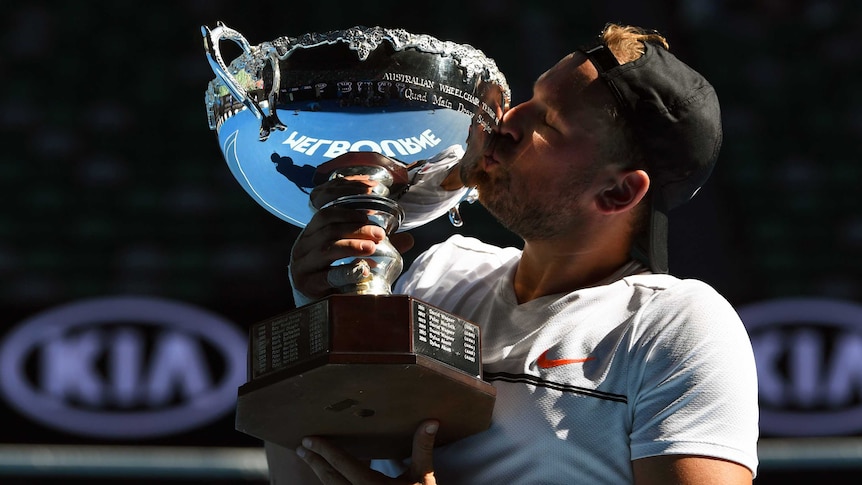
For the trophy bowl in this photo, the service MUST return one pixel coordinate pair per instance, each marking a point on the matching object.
(363, 367)
(283, 108)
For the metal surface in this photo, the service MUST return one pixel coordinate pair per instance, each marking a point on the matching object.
(283, 108)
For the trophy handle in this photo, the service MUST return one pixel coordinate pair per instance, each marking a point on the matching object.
(268, 122)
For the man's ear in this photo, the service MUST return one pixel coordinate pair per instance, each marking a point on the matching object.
(629, 189)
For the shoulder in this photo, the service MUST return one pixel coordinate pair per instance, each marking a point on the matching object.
(684, 308)
(669, 293)
(668, 283)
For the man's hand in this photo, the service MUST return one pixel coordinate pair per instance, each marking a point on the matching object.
(333, 466)
(334, 233)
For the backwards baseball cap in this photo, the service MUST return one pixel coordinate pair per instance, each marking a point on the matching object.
(674, 114)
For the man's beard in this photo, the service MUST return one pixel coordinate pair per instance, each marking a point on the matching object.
(530, 218)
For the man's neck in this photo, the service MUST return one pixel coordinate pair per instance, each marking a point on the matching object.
(548, 267)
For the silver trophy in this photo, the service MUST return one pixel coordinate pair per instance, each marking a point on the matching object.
(363, 367)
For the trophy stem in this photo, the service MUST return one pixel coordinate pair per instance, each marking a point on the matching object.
(374, 274)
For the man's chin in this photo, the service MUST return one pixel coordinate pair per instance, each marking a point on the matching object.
(469, 174)
(477, 178)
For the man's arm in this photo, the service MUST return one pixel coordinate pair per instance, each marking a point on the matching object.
(686, 469)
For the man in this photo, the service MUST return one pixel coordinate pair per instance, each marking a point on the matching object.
(607, 370)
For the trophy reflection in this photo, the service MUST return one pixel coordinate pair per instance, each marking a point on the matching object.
(371, 275)
(364, 366)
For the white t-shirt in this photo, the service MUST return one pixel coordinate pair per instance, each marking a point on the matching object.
(588, 381)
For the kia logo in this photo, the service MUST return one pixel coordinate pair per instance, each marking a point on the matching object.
(123, 367)
(809, 365)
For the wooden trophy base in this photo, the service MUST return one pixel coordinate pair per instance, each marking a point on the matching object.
(364, 371)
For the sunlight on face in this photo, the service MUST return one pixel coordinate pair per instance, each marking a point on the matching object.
(545, 160)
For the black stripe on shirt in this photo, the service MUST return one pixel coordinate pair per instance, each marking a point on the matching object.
(536, 381)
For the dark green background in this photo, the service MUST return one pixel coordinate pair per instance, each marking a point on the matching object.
(111, 183)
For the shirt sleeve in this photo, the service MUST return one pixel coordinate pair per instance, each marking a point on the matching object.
(694, 378)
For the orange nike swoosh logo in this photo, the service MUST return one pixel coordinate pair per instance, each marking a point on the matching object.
(545, 363)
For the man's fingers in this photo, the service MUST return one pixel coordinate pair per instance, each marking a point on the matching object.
(422, 460)
(324, 471)
(337, 220)
(333, 465)
(339, 231)
(324, 251)
(331, 235)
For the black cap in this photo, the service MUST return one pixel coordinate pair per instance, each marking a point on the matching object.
(675, 116)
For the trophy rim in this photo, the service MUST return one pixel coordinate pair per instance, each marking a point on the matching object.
(364, 40)
(477, 66)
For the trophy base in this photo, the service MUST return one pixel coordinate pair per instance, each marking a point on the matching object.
(364, 372)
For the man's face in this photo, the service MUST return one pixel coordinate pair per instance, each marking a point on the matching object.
(540, 173)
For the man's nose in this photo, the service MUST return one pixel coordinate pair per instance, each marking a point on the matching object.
(510, 123)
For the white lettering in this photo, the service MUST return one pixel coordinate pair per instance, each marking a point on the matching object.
(305, 144)
(357, 146)
(481, 121)
(87, 368)
(338, 147)
(292, 141)
(441, 101)
(406, 78)
(459, 94)
(125, 362)
(845, 376)
(68, 368)
(177, 366)
(393, 148)
(464, 109)
(415, 96)
(387, 145)
(316, 145)
(411, 146)
(813, 376)
(805, 366)
(491, 112)
(431, 137)
(768, 349)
